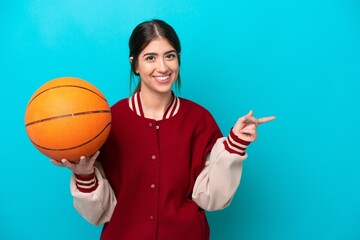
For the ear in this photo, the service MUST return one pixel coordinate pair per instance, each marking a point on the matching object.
(131, 59)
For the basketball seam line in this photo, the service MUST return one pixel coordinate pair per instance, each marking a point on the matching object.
(70, 148)
(75, 86)
(66, 115)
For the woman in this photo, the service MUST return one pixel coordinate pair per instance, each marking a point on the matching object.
(165, 160)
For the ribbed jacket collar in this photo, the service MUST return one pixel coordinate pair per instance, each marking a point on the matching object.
(171, 110)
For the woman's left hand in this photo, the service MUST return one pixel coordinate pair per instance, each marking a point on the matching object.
(245, 127)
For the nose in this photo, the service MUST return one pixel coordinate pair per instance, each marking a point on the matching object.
(161, 66)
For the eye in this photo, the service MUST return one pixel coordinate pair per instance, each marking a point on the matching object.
(150, 58)
(170, 56)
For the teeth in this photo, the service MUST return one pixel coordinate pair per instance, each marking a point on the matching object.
(162, 78)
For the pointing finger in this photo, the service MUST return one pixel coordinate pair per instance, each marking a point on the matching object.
(266, 119)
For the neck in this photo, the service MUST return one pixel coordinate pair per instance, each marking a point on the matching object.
(154, 105)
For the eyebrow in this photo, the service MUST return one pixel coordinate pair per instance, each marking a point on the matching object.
(156, 54)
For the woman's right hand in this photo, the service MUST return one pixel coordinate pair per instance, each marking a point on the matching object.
(84, 167)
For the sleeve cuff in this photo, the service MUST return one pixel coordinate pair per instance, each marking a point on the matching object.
(86, 184)
(234, 144)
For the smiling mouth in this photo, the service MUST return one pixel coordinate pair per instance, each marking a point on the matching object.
(162, 78)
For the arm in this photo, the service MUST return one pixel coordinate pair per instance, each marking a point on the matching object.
(217, 183)
(94, 198)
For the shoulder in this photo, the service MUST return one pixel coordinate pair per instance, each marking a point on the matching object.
(197, 111)
(204, 124)
(120, 109)
(192, 106)
(120, 104)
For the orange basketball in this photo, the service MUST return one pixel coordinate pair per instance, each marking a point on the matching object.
(68, 118)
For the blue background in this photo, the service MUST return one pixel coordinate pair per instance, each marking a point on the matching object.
(297, 60)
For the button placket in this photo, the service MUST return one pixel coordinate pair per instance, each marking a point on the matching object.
(154, 168)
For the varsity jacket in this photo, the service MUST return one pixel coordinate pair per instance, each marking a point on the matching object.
(154, 179)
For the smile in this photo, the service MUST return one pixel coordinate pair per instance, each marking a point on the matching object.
(162, 78)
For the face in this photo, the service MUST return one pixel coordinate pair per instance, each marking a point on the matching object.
(158, 66)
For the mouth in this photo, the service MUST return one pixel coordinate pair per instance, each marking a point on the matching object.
(163, 78)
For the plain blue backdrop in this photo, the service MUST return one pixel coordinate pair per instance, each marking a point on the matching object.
(297, 60)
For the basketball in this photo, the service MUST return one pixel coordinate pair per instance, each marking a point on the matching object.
(67, 118)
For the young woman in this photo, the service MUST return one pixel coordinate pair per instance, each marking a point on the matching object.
(165, 160)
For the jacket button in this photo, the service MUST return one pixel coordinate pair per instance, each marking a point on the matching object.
(150, 124)
(151, 218)
(153, 157)
(152, 186)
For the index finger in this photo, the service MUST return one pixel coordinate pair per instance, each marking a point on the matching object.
(266, 119)
(57, 163)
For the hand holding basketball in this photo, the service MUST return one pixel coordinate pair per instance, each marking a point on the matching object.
(85, 166)
(246, 126)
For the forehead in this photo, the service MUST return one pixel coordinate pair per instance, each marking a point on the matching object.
(158, 45)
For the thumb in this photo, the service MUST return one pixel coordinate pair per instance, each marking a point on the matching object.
(240, 123)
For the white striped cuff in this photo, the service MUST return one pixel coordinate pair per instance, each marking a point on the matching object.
(234, 144)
